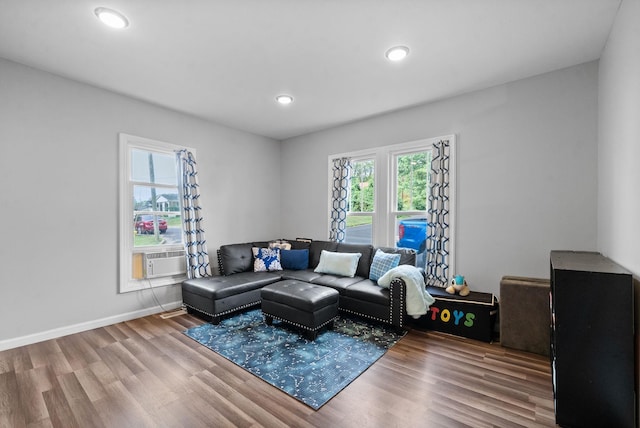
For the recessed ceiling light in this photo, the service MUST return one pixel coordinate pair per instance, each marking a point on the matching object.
(111, 18)
(284, 99)
(397, 53)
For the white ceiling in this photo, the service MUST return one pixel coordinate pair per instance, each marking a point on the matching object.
(226, 60)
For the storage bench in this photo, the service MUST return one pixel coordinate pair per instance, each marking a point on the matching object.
(472, 316)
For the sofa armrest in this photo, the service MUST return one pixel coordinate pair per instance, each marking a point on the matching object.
(398, 303)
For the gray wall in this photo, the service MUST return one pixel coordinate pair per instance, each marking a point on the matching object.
(527, 170)
(542, 164)
(619, 141)
(59, 202)
(619, 149)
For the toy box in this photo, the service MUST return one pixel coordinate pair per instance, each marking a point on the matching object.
(472, 316)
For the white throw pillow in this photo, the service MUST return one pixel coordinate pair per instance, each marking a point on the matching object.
(344, 264)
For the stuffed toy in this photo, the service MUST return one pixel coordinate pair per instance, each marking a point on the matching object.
(459, 285)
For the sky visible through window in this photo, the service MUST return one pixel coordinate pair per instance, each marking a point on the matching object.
(148, 167)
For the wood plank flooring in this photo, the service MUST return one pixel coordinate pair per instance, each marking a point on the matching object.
(146, 373)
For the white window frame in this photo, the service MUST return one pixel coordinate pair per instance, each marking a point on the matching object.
(127, 250)
(375, 193)
(393, 212)
(386, 208)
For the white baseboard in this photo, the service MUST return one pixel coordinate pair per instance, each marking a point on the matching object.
(89, 325)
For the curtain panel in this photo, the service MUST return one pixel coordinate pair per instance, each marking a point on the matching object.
(340, 199)
(438, 214)
(194, 238)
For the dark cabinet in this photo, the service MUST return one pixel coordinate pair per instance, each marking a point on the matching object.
(592, 341)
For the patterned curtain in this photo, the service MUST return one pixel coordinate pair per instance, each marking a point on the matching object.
(195, 242)
(438, 233)
(340, 199)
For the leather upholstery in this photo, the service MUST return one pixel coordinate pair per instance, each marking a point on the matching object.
(299, 303)
(241, 287)
(236, 258)
(340, 283)
(299, 245)
(407, 255)
(307, 275)
(218, 287)
(300, 295)
(368, 291)
(308, 320)
(315, 249)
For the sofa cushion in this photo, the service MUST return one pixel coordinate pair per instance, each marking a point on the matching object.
(299, 245)
(364, 263)
(407, 255)
(382, 263)
(315, 249)
(236, 258)
(266, 259)
(306, 275)
(344, 264)
(340, 283)
(294, 259)
(368, 291)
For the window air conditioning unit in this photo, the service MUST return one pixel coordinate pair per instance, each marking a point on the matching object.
(164, 263)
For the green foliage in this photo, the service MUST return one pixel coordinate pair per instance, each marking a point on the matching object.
(146, 240)
(413, 181)
(362, 187)
(174, 221)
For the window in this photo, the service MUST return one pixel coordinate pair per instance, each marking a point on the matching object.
(389, 196)
(410, 178)
(151, 245)
(361, 207)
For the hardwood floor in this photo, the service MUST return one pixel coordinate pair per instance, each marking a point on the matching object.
(146, 373)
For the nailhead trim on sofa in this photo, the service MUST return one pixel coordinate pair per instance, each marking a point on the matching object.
(220, 263)
(248, 305)
(300, 325)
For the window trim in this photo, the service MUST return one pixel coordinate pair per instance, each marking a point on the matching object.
(383, 233)
(126, 249)
(373, 214)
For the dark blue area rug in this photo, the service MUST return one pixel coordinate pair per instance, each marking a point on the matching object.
(310, 371)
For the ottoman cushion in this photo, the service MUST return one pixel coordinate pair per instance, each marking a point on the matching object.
(300, 295)
(301, 304)
(218, 287)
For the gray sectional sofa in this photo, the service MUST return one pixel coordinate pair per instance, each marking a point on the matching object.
(239, 287)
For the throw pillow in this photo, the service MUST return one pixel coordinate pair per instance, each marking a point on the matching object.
(344, 264)
(280, 243)
(266, 259)
(294, 259)
(382, 263)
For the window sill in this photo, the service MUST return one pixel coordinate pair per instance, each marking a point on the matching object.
(144, 284)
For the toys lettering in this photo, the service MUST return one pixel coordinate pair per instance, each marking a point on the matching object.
(456, 317)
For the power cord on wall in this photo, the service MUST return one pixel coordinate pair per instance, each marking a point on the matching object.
(154, 296)
(166, 313)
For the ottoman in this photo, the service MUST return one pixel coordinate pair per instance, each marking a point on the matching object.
(301, 304)
(525, 317)
(216, 296)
